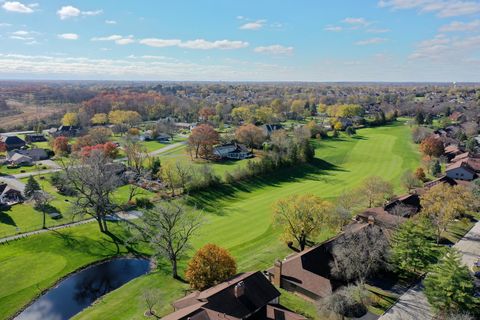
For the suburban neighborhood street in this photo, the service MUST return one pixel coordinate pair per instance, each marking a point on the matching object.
(413, 304)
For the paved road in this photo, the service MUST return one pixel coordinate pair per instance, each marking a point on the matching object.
(469, 246)
(413, 304)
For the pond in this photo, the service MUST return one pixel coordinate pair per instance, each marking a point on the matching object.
(81, 289)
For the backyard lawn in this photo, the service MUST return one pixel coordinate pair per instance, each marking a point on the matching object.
(23, 217)
(237, 217)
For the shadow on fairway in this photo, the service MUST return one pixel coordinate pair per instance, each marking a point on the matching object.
(216, 198)
(6, 218)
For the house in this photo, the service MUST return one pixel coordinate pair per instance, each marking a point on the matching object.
(407, 205)
(185, 125)
(268, 129)
(246, 296)
(67, 131)
(13, 142)
(232, 151)
(451, 151)
(36, 154)
(9, 195)
(460, 170)
(18, 159)
(379, 216)
(307, 273)
(35, 137)
(163, 138)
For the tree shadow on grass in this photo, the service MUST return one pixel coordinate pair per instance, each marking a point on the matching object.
(217, 198)
(5, 218)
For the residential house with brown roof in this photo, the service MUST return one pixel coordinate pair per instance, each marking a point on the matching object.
(461, 170)
(246, 296)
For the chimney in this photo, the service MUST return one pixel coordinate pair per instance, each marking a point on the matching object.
(371, 220)
(239, 289)
(277, 273)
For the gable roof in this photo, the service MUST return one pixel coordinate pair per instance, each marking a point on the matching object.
(13, 141)
(381, 217)
(460, 164)
(221, 302)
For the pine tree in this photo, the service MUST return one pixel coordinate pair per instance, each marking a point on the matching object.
(419, 118)
(31, 186)
(413, 246)
(428, 119)
(435, 168)
(449, 286)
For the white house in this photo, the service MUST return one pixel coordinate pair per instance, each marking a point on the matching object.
(232, 151)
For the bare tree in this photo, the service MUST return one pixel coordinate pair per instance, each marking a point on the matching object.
(168, 228)
(345, 302)
(94, 179)
(137, 156)
(358, 254)
(42, 201)
(376, 190)
(151, 297)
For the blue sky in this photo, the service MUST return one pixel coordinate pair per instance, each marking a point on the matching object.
(262, 40)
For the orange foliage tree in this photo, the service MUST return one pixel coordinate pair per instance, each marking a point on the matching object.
(60, 145)
(251, 135)
(202, 139)
(432, 147)
(209, 266)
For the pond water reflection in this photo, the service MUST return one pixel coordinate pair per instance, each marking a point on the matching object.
(81, 289)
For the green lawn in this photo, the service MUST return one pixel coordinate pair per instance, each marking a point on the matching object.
(23, 217)
(237, 218)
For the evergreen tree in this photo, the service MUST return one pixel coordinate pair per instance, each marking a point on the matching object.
(31, 186)
(350, 131)
(429, 119)
(419, 118)
(435, 168)
(413, 246)
(449, 286)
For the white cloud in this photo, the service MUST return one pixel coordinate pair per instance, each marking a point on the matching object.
(447, 49)
(370, 41)
(67, 12)
(275, 49)
(457, 26)
(356, 21)
(160, 43)
(333, 28)
(443, 8)
(5, 25)
(200, 44)
(378, 30)
(255, 25)
(15, 6)
(110, 22)
(68, 36)
(121, 40)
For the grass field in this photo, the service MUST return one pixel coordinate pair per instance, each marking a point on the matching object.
(238, 218)
(23, 217)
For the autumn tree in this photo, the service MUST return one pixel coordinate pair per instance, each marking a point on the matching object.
(297, 108)
(176, 174)
(60, 146)
(432, 147)
(242, 113)
(206, 113)
(99, 119)
(413, 245)
(251, 135)
(410, 180)
(202, 139)
(420, 174)
(70, 119)
(302, 217)
(209, 266)
(443, 203)
(168, 228)
(265, 115)
(376, 190)
(449, 286)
